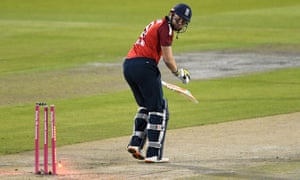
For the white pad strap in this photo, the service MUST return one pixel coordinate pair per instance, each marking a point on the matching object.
(140, 134)
(157, 114)
(157, 127)
(154, 144)
(141, 115)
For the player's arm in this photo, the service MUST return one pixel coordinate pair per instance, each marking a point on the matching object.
(168, 58)
(170, 62)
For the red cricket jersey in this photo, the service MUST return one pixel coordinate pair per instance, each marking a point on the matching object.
(156, 34)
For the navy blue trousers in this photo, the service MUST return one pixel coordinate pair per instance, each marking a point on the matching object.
(144, 79)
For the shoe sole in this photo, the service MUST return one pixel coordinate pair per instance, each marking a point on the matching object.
(136, 154)
(163, 160)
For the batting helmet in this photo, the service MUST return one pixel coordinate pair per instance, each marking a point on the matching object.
(183, 11)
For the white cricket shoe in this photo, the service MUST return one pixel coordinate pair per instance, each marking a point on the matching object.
(154, 159)
(136, 152)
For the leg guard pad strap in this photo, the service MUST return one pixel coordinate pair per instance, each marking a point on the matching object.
(154, 144)
(157, 127)
(140, 134)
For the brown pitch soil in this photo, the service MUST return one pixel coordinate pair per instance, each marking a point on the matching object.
(261, 148)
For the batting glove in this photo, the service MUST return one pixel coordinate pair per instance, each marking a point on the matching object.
(183, 75)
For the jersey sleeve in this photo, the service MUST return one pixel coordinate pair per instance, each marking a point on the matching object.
(165, 35)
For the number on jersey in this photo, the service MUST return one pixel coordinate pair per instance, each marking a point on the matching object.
(141, 39)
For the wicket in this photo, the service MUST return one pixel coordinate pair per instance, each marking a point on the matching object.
(37, 139)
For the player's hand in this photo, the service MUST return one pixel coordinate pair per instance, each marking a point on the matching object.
(183, 75)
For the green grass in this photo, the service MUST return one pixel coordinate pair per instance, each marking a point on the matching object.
(40, 35)
(111, 115)
(57, 42)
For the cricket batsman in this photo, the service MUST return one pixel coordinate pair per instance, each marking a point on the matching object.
(140, 69)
